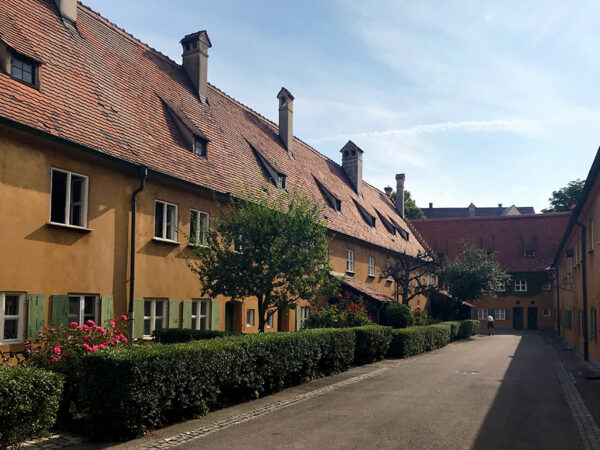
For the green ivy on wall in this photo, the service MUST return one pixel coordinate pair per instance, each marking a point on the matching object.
(535, 283)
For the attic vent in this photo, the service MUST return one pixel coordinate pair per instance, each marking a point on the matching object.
(277, 176)
(529, 253)
(386, 223)
(401, 231)
(195, 140)
(368, 218)
(331, 199)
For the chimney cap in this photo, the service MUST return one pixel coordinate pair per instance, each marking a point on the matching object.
(388, 189)
(197, 36)
(430, 205)
(284, 93)
(400, 176)
(351, 146)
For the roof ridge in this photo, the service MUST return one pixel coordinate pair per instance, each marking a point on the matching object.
(515, 217)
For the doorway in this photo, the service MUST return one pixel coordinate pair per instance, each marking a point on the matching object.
(532, 314)
(518, 318)
(229, 316)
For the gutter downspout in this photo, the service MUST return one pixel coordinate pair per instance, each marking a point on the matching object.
(143, 175)
(558, 315)
(586, 355)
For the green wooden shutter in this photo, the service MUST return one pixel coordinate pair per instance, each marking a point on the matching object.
(106, 310)
(60, 310)
(186, 320)
(215, 315)
(507, 313)
(138, 319)
(36, 315)
(492, 312)
(475, 313)
(298, 319)
(173, 313)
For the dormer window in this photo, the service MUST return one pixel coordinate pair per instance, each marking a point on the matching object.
(529, 253)
(331, 199)
(196, 141)
(23, 69)
(401, 231)
(386, 223)
(200, 145)
(281, 181)
(272, 171)
(368, 218)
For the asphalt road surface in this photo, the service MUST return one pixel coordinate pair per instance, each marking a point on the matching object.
(498, 392)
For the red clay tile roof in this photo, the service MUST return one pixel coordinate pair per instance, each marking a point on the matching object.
(362, 288)
(509, 236)
(102, 88)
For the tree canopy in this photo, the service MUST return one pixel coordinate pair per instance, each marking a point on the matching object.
(564, 198)
(411, 210)
(272, 249)
(473, 273)
(408, 272)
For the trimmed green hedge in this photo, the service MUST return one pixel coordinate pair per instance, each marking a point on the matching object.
(398, 315)
(29, 401)
(372, 343)
(177, 335)
(468, 328)
(126, 390)
(454, 329)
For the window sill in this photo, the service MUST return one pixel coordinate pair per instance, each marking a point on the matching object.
(192, 245)
(68, 227)
(371, 276)
(350, 272)
(165, 241)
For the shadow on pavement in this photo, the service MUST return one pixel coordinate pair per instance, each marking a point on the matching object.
(530, 410)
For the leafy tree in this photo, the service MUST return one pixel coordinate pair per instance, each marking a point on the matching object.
(408, 271)
(411, 210)
(473, 273)
(271, 249)
(563, 199)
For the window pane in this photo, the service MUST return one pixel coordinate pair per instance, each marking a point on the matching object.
(17, 63)
(89, 305)
(194, 308)
(158, 219)
(203, 308)
(75, 216)
(11, 327)
(76, 188)
(58, 200)
(170, 222)
(74, 306)
(194, 324)
(27, 78)
(203, 324)
(158, 324)
(11, 305)
(193, 227)
(147, 331)
(147, 308)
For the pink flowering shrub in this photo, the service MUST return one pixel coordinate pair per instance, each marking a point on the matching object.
(67, 341)
(345, 312)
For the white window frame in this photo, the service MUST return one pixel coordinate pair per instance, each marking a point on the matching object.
(201, 234)
(546, 312)
(250, 317)
(371, 266)
(304, 314)
(547, 286)
(520, 285)
(68, 205)
(153, 316)
(174, 224)
(482, 314)
(20, 317)
(270, 320)
(81, 318)
(199, 317)
(350, 261)
(500, 314)
(500, 287)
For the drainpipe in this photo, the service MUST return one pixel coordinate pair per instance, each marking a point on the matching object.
(558, 315)
(586, 355)
(143, 175)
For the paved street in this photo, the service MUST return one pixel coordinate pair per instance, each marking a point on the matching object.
(499, 392)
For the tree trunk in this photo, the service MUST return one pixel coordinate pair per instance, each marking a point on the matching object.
(261, 314)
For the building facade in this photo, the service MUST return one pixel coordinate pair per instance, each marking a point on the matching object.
(111, 154)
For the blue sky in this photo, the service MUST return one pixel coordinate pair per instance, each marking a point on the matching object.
(476, 101)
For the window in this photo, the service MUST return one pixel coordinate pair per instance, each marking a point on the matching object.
(250, 318)
(500, 314)
(371, 266)
(270, 320)
(280, 181)
(482, 314)
(200, 145)
(500, 287)
(23, 69)
(199, 227)
(367, 217)
(165, 221)
(200, 314)
(304, 313)
(546, 312)
(155, 316)
(521, 285)
(350, 261)
(428, 279)
(83, 308)
(441, 256)
(330, 199)
(547, 286)
(529, 253)
(12, 313)
(338, 205)
(68, 198)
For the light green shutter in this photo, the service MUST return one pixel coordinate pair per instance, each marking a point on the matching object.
(173, 313)
(215, 315)
(36, 315)
(507, 314)
(106, 310)
(186, 320)
(60, 310)
(138, 319)
(298, 319)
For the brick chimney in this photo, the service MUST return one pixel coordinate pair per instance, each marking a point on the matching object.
(400, 194)
(195, 61)
(286, 119)
(388, 191)
(68, 10)
(352, 165)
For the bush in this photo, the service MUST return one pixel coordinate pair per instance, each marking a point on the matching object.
(177, 335)
(29, 400)
(125, 391)
(398, 315)
(419, 339)
(454, 329)
(420, 317)
(468, 328)
(344, 313)
(372, 343)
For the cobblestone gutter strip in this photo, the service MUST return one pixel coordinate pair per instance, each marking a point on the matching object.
(588, 429)
(51, 442)
(197, 433)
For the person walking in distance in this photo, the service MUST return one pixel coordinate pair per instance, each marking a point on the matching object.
(490, 325)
